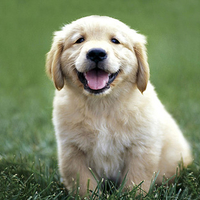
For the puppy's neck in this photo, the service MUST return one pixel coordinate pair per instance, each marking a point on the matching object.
(103, 104)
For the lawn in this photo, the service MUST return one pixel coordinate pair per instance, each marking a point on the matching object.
(28, 158)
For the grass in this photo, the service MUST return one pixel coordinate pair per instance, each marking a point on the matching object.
(41, 181)
(28, 158)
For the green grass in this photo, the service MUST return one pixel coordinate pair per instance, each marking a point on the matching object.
(28, 158)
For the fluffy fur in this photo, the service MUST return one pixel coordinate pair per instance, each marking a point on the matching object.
(123, 129)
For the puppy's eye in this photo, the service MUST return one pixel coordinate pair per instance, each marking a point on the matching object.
(115, 41)
(80, 40)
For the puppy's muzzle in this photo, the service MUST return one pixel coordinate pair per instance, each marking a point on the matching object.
(96, 79)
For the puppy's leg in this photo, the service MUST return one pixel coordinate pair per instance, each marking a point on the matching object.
(74, 170)
(175, 150)
(140, 168)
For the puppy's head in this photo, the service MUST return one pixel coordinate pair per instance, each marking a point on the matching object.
(95, 54)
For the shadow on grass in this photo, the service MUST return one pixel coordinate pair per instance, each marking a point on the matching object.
(20, 180)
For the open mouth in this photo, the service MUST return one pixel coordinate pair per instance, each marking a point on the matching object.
(97, 80)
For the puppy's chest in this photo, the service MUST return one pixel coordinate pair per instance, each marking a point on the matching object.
(108, 152)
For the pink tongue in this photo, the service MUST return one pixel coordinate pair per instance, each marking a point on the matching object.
(96, 79)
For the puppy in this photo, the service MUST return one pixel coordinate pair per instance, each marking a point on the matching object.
(106, 114)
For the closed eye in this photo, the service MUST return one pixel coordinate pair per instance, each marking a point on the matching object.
(80, 40)
(115, 41)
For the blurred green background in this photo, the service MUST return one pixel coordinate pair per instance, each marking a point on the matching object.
(172, 28)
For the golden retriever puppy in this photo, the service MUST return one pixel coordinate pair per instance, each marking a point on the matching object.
(106, 114)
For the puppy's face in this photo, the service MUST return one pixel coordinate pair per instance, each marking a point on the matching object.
(96, 54)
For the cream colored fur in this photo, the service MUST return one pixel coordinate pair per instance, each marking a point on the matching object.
(124, 130)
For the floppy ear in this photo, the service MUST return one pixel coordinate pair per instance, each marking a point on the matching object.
(53, 65)
(143, 66)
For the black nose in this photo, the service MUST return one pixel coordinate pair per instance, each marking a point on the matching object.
(96, 54)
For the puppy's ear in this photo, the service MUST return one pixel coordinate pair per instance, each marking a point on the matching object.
(53, 65)
(143, 66)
